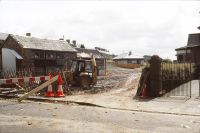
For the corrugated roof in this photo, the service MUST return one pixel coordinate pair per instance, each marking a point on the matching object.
(128, 56)
(43, 44)
(3, 36)
(193, 39)
(15, 54)
(88, 53)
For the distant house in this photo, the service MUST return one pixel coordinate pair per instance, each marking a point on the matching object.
(40, 54)
(129, 60)
(3, 37)
(84, 53)
(190, 52)
(147, 58)
(104, 52)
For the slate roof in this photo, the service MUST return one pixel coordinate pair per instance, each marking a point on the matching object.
(193, 39)
(128, 56)
(43, 44)
(87, 53)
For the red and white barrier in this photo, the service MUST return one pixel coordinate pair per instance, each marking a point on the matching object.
(24, 79)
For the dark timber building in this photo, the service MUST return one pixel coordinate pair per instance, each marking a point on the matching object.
(42, 55)
(190, 52)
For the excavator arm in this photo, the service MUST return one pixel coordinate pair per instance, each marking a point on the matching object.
(94, 70)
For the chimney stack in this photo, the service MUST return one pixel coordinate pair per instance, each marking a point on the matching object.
(28, 34)
(82, 46)
(68, 41)
(74, 42)
(130, 53)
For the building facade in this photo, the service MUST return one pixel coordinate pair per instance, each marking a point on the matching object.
(3, 37)
(129, 60)
(190, 52)
(42, 55)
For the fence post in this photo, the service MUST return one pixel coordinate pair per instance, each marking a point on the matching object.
(155, 76)
(190, 80)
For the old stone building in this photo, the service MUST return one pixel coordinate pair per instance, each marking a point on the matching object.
(42, 55)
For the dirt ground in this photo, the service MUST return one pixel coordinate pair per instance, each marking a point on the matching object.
(116, 78)
(110, 109)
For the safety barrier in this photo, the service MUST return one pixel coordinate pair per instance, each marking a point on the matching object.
(49, 90)
(24, 79)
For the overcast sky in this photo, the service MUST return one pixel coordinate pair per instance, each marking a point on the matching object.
(145, 28)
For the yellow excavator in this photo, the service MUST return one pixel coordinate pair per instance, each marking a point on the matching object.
(83, 73)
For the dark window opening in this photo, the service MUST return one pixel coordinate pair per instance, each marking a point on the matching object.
(129, 62)
(38, 55)
(180, 58)
(50, 55)
(60, 56)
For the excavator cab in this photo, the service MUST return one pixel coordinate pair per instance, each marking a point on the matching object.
(83, 73)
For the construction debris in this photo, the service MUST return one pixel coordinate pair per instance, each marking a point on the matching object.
(115, 78)
(38, 88)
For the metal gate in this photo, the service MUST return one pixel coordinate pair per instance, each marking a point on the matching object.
(176, 79)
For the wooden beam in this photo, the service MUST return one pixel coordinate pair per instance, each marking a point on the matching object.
(42, 86)
(64, 77)
(19, 86)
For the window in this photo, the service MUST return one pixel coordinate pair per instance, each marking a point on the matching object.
(38, 55)
(183, 51)
(129, 61)
(180, 58)
(74, 65)
(122, 62)
(134, 61)
(88, 67)
(60, 56)
(60, 62)
(81, 66)
(50, 55)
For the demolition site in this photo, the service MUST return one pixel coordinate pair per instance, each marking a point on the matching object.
(63, 86)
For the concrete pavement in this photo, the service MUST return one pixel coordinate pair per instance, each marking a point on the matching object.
(122, 98)
(43, 117)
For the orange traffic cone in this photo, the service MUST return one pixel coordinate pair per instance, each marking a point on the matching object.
(144, 92)
(49, 92)
(60, 89)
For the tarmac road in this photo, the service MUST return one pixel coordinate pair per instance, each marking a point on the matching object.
(36, 117)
